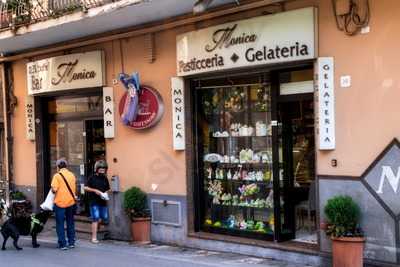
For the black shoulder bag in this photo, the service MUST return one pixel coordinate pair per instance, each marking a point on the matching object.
(69, 188)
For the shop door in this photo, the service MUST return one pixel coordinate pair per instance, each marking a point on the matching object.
(67, 141)
(294, 160)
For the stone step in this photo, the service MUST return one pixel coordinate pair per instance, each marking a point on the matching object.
(82, 228)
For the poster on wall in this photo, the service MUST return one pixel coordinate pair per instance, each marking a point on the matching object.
(326, 103)
(283, 37)
(178, 113)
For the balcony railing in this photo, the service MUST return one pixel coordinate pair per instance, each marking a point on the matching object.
(16, 13)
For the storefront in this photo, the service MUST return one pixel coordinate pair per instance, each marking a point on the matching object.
(253, 126)
(266, 117)
(65, 101)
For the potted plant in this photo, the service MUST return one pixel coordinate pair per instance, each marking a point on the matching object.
(343, 216)
(135, 205)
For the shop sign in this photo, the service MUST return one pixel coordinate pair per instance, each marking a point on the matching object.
(151, 108)
(326, 103)
(178, 113)
(283, 37)
(382, 179)
(30, 118)
(108, 112)
(75, 71)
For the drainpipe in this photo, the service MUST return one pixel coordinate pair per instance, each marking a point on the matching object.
(8, 104)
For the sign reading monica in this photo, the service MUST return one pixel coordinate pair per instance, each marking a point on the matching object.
(283, 37)
(75, 71)
(178, 113)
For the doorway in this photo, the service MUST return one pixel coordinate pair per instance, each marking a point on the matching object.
(296, 135)
(73, 129)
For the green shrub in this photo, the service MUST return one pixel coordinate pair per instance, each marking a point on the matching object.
(17, 195)
(135, 203)
(343, 216)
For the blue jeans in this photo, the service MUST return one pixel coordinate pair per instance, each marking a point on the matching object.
(62, 215)
(98, 212)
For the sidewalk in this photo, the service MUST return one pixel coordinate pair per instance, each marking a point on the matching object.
(116, 254)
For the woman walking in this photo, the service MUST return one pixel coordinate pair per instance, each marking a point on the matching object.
(97, 187)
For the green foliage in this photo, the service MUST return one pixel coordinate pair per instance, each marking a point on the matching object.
(135, 203)
(17, 195)
(343, 216)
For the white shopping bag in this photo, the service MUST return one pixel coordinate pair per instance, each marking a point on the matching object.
(49, 202)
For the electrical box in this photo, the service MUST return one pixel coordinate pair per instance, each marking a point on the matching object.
(115, 183)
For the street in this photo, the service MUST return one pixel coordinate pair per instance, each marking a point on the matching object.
(111, 253)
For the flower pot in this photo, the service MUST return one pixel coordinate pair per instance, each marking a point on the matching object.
(140, 230)
(348, 251)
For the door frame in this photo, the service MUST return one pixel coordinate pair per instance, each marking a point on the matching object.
(42, 120)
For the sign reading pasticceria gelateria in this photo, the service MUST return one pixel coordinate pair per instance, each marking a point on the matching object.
(75, 71)
(283, 37)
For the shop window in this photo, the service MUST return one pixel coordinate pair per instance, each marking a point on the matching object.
(235, 159)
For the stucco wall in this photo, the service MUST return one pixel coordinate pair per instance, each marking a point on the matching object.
(366, 113)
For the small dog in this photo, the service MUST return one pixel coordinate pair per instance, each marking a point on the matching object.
(14, 227)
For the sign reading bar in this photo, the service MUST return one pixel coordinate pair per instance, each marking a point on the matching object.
(282, 37)
(178, 113)
(326, 103)
(30, 118)
(108, 112)
(75, 71)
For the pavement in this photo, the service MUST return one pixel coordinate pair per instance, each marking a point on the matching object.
(121, 254)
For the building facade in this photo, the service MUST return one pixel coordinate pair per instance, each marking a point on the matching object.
(255, 116)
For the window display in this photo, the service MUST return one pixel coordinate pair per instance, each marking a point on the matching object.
(235, 154)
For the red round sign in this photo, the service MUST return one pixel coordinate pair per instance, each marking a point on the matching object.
(151, 108)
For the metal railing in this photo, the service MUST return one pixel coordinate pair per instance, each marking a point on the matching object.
(15, 13)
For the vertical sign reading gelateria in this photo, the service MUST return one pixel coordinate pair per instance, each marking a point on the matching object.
(178, 113)
(326, 103)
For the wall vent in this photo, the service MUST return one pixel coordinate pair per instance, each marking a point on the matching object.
(166, 212)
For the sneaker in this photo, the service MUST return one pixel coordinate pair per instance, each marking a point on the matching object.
(71, 246)
(94, 241)
(64, 248)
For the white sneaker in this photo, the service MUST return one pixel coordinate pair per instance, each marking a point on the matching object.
(94, 241)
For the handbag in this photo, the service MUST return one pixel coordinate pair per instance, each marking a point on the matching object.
(48, 202)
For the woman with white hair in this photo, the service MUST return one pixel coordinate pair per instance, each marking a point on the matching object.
(97, 187)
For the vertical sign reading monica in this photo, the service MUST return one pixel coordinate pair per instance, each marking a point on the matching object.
(326, 103)
(108, 112)
(30, 118)
(178, 113)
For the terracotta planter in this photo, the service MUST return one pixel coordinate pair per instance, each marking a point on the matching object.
(140, 230)
(348, 251)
